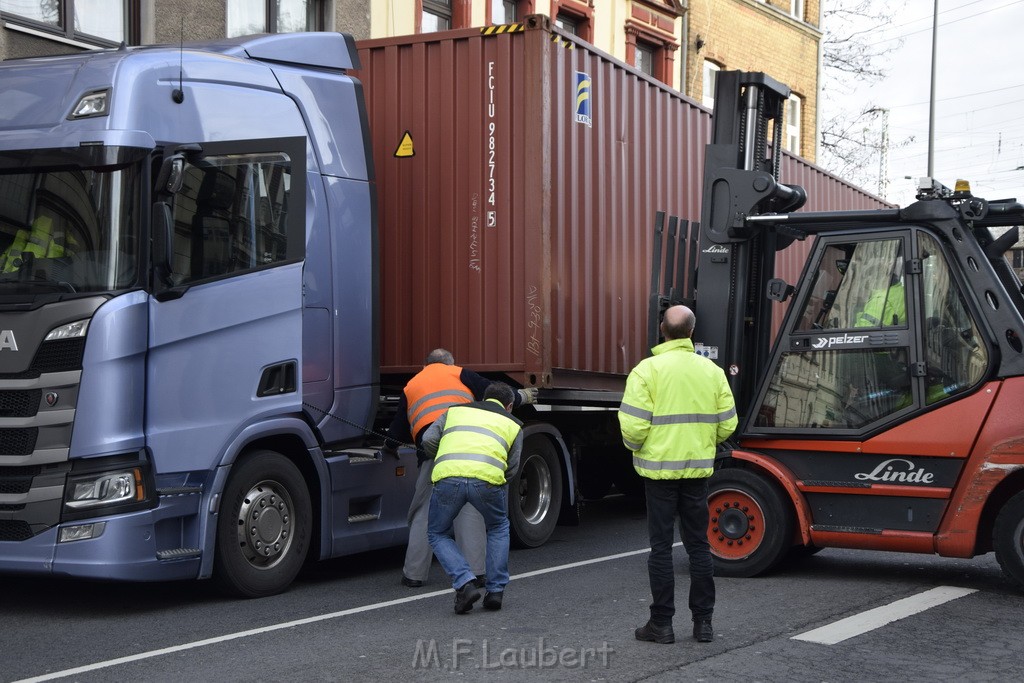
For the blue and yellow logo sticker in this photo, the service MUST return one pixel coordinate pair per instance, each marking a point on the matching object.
(583, 98)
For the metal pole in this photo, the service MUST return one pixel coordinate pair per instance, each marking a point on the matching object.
(883, 162)
(931, 100)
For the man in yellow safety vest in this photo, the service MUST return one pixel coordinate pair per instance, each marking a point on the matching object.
(476, 448)
(676, 409)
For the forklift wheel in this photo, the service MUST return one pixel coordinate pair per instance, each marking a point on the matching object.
(750, 523)
(1008, 539)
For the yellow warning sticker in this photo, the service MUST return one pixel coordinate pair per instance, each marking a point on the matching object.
(405, 147)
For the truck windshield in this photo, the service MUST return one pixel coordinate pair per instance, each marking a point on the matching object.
(70, 230)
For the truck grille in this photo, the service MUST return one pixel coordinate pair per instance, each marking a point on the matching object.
(20, 403)
(17, 479)
(53, 356)
(14, 530)
(18, 441)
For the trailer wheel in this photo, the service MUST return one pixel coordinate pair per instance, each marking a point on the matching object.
(750, 523)
(535, 494)
(1008, 539)
(263, 527)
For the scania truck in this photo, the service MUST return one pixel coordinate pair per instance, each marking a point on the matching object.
(220, 262)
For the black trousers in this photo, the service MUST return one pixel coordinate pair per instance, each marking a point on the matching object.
(687, 500)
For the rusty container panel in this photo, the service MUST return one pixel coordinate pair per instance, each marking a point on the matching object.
(518, 175)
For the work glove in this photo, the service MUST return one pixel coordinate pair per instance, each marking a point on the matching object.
(528, 395)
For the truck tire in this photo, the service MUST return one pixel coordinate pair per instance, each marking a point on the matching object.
(263, 527)
(1008, 539)
(750, 523)
(535, 494)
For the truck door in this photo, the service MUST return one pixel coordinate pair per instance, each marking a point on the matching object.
(880, 334)
(226, 330)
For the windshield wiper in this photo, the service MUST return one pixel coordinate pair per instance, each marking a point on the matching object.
(35, 281)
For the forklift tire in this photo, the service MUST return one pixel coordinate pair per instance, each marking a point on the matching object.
(1008, 539)
(263, 527)
(750, 523)
(535, 494)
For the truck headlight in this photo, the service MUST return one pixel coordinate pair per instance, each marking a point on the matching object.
(70, 331)
(107, 488)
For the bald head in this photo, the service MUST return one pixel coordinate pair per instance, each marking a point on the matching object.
(677, 323)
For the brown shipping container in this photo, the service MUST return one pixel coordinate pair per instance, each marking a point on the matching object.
(518, 175)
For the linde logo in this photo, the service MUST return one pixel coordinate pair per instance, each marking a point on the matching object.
(716, 249)
(839, 340)
(887, 471)
(7, 340)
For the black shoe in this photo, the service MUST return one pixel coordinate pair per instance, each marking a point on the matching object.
(702, 631)
(410, 583)
(492, 601)
(466, 596)
(654, 633)
(480, 580)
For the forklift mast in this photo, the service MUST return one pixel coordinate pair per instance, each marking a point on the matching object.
(736, 263)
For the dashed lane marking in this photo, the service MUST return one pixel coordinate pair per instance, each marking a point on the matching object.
(880, 616)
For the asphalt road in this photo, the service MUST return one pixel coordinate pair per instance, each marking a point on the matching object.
(569, 615)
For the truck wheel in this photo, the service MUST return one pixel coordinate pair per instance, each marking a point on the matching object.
(1008, 539)
(535, 494)
(750, 523)
(263, 527)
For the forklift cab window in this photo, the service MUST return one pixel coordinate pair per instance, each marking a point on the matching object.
(955, 358)
(846, 363)
(857, 285)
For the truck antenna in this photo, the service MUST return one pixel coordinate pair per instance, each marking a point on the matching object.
(178, 94)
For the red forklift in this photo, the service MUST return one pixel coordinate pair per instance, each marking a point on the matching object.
(885, 411)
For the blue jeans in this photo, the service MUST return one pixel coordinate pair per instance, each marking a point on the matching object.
(687, 501)
(449, 497)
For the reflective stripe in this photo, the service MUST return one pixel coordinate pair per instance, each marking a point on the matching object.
(871, 319)
(415, 410)
(693, 418)
(475, 457)
(632, 446)
(636, 412)
(672, 464)
(478, 430)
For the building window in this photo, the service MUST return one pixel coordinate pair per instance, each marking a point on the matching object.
(710, 80)
(644, 57)
(92, 21)
(793, 105)
(246, 17)
(650, 51)
(504, 12)
(796, 9)
(436, 16)
(568, 23)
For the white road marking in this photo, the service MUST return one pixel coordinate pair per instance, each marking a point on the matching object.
(880, 616)
(302, 622)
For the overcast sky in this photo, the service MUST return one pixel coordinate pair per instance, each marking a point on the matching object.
(979, 96)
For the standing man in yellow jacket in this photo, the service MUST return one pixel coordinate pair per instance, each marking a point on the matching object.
(676, 409)
(477, 448)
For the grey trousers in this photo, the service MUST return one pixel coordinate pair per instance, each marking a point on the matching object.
(470, 532)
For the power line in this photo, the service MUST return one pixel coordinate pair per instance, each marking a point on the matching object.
(948, 23)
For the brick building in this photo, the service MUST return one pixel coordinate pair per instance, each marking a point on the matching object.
(680, 42)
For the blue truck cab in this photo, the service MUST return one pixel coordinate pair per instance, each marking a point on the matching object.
(188, 316)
